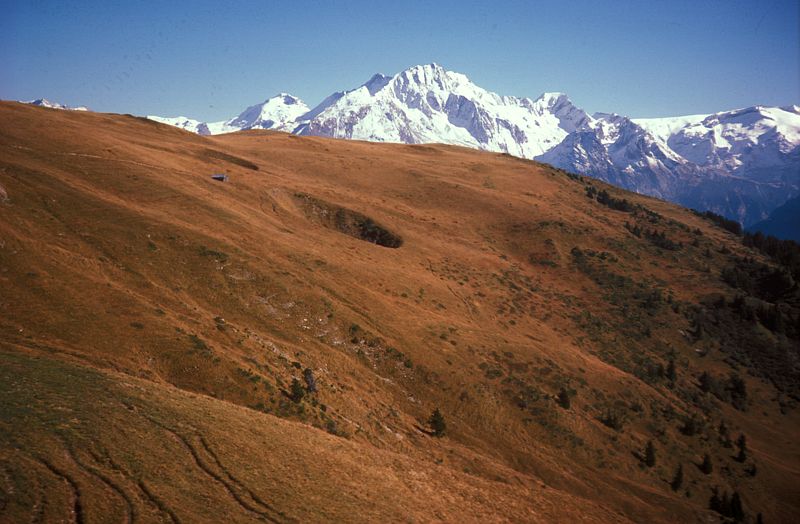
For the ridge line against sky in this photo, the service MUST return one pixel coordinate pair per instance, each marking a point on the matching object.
(210, 60)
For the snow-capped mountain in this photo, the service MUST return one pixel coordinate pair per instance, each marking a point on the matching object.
(43, 102)
(279, 113)
(742, 163)
(733, 140)
(185, 123)
(430, 104)
(617, 150)
(751, 156)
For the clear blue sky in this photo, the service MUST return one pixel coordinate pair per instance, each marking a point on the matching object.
(209, 60)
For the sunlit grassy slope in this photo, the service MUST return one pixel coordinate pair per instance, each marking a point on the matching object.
(152, 321)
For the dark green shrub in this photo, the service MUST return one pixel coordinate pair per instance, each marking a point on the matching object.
(650, 454)
(297, 392)
(437, 423)
(707, 467)
(564, 399)
(677, 480)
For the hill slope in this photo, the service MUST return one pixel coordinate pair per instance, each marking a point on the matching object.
(153, 321)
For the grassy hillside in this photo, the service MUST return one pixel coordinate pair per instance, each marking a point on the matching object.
(153, 321)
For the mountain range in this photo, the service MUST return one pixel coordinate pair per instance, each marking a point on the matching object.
(43, 102)
(741, 164)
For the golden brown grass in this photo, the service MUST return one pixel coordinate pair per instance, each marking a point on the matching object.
(152, 319)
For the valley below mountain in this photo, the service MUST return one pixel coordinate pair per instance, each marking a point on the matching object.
(270, 344)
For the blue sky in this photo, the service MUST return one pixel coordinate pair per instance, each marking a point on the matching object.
(209, 60)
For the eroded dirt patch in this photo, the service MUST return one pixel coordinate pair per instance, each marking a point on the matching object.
(347, 221)
(225, 157)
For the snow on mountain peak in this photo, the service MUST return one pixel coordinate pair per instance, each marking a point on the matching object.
(376, 83)
(730, 140)
(430, 77)
(43, 102)
(429, 70)
(187, 124)
(286, 98)
(428, 103)
(551, 99)
(278, 112)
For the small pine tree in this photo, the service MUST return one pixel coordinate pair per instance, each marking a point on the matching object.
(563, 398)
(612, 419)
(741, 456)
(725, 508)
(705, 382)
(677, 480)
(672, 375)
(691, 426)
(737, 510)
(707, 467)
(737, 389)
(297, 391)
(724, 435)
(311, 383)
(650, 454)
(715, 502)
(437, 423)
(725, 505)
(741, 443)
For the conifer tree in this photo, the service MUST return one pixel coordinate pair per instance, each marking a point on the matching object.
(715, 502)
(650, 454)
(736, 508)
(705, 382)
(707, 467)
(691, 426)
(612, 419)
(725, 505)
(672, 375)
(437, 423)
(297, 391)
(677, 480)
(724, 434)
(311, 383)
(741, 443)
(741, 456)
(738, 392)
(563, 398)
